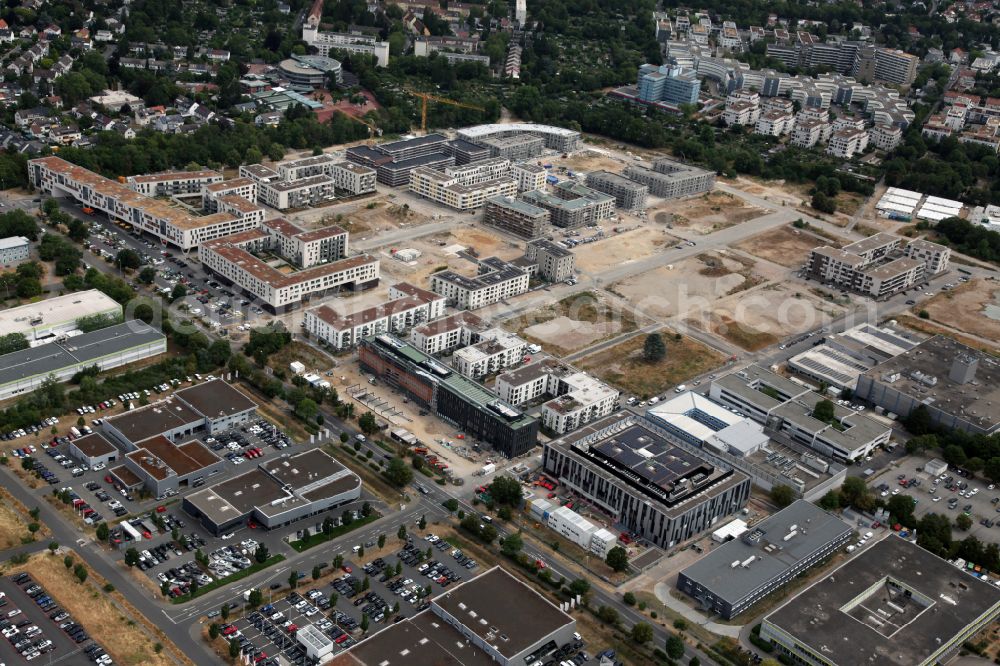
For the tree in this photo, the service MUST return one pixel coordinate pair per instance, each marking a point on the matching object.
(262, 554)
(963, 522)
(401, 533)
(128, 260)
(306, 409)
(580, 586)
(165, 588)
(506, 490)
(617, 559)
(512, 545)
(80, 572)
(398, 473)
(830, 501)
(505, 513)
(918, 422)
(316, 572)
(607, 615)
(653, 349)
(675, 647)
(338, 561)
(131, 557)
(256, 598)
(381, 541)
(293, 579)
(147, 275)
(901, 509)
(214, 631)
(824, 411)
(782, 495)
(68, 561)
(179, 291)
(53, 547)
(327, 525)
(367, 423)
(954, 455)
(642, 633)
(422, 523)
(629, 599)
(234, 648)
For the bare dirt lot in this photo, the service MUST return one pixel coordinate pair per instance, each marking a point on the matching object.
(362, 218)
(624, 366)
(574, 323)
(691, 285)
(621, 248)
(704, 214)
(778, 191)
(786, 246)
(441, 251)
(965, 308)
(124, 633)
(760, 318)
(592, 159)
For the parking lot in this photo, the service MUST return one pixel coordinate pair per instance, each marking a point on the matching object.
(35, 627)
(397, 588)
(975, 496)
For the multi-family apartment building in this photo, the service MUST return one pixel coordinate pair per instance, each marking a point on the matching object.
(408, 306)
(576, 398)
(555, 262)
(320, 256)
(885, 137)
(742, 108)
(464, 187)
(809, 132)
(878, 266)
(57, 177)
(514, 147)
(447, 333)
(302, 193)
(528, 176)
(848, 142)
(173, 183)
(515, 216)
(496, 281)
(670, 179)
(628, 194)
(245, 188)
(573, 205)
(774, 122)
(496, 350)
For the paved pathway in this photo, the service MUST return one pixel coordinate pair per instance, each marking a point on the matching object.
(662, 592)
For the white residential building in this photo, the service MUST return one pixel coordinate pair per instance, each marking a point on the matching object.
(496, 281)
(808, 132)
(528, 176)
(774, 123)
(846, 143)
(408, 306)
(885, 137)
(172, 183)
(442, 335)
(496, 350)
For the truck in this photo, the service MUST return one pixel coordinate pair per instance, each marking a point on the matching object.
(88, 210)
(75, 432)
(488, 469)
(131, 531)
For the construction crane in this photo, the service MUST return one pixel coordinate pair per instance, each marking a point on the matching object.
(373, 131)
(428, 96)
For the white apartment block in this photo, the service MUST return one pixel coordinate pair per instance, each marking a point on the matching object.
(577, 398)
(408, 306)
(808, 132)
(324, 42)
(172, 183)
(846, 143)
(319, 255)
(448, 190)
(317, 165)
(774, 123)
(442, 335)
(528, 176)
(848, 122)
(496, 350)
(742, 108)
(353, 178)
(242, 209)
(244, 188)
(57, 177)
(729, 37)
(885, 137)
(301, 193)
(481, 171)
(497, 280)
(934, 256)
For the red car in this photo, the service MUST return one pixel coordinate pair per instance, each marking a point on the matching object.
(161, 509)
(107, 478)
(346, 569)
(292, 628)
(340, 639)
(229, 631)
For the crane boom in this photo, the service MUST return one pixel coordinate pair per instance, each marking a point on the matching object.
(424, 97)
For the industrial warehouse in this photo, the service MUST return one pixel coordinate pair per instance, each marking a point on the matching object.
(276, 493)
(657, 488)
(740, 573)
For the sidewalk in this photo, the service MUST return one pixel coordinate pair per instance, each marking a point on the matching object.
(662, 592)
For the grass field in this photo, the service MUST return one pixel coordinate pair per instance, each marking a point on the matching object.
(14, 520)
(128, 637)
(623, 365)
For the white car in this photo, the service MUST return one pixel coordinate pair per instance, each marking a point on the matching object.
(226, 537)
(895, 491)
(936, 499)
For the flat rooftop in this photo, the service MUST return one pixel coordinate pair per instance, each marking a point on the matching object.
(94, 445)
(421, 640)
(766, 544)
(922, 373)
(183, 459)
(152, 420)
(86, 348)
(503, 611)
(647, 461)
(415, 142)
(451, 323)
(216, 399)
(522, 207)
(53, 311)
(894, 604)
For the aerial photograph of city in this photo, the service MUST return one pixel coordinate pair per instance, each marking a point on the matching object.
(500, 332)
